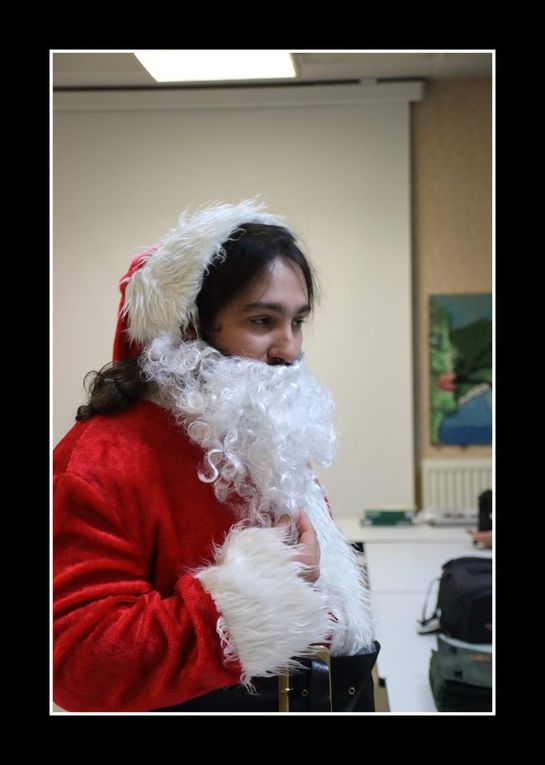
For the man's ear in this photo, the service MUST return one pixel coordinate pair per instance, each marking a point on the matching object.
(189, 333)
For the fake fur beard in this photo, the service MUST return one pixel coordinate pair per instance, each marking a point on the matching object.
(261, 428)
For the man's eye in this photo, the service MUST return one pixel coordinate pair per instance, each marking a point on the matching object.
(299, 322)
(261, 320)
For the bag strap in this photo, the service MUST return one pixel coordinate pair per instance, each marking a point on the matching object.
(429, 624)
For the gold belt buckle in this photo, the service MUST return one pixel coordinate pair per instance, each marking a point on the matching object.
(284, 691)
(320, 652)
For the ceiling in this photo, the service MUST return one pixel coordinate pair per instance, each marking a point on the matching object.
(99, 69)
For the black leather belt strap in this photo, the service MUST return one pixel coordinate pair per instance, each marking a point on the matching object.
(316, 681)
(319, 685)
(303, 690)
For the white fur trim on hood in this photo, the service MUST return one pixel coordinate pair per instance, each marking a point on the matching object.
(269, 613)
(160, 296)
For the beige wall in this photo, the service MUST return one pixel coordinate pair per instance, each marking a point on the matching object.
(117, 187)
(452, 202)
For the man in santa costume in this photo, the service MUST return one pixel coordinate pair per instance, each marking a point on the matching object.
(196, 560)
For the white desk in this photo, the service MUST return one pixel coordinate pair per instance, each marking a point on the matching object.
(353, 530)
(401, 562)
(411, 566)
(412, 695)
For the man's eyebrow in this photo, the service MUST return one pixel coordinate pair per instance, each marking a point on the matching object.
(276, 307)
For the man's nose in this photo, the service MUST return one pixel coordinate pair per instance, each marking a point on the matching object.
(285, 348)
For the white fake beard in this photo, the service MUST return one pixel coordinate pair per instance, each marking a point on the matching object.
(260, 426)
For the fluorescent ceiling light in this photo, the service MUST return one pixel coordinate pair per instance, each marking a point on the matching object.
(201, 65)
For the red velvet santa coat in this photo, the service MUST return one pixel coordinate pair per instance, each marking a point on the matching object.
(147, 613)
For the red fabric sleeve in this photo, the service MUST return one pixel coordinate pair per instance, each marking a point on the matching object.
(119, 645)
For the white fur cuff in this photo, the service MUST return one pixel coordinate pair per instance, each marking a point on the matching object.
(269, 613)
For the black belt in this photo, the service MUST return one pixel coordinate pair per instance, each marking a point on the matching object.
(322, 684)
(318, 679)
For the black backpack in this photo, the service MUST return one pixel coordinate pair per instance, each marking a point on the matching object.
(461, 676)
(464, 601)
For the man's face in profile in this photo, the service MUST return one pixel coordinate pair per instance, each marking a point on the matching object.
(265, 322)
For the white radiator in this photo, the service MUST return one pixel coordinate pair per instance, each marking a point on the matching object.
(451, 488)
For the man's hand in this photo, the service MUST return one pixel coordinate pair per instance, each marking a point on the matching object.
(308, 540)
(484, 537)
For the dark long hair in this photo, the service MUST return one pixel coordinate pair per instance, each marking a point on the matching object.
(115, 388)
(244, 258)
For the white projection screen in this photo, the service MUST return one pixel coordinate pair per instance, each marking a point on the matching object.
(334, 160)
